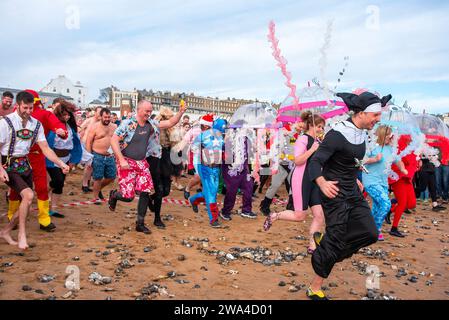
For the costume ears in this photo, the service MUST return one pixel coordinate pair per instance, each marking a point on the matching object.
(351, 100)
(384, 101)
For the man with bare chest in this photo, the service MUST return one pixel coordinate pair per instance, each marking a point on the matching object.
(87, 157)
(6, 104)
(98, 143)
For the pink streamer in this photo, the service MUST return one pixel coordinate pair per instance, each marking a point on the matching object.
(282, 62)
(311, 105)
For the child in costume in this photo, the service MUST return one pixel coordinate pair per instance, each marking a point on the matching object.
(378, 165)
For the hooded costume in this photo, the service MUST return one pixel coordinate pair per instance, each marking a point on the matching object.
(349, 223)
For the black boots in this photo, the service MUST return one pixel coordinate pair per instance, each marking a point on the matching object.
(388, 218)
(290, 205)
(395, 233)
(265, 206)
(140, 227)
(159, 224)
(112, 200)
(50, 228)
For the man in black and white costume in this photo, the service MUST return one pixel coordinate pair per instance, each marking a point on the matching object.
(334, 167)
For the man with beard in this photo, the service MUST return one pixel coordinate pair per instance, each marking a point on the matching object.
(6, 107)
(99, 144)
(49, 123)
(19, 131)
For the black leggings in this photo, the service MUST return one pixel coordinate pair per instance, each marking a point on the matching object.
(162, 184)
(428, 179)
(57, 180)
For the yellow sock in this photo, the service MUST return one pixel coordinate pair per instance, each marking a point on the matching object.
(12, 208)
(44, 212)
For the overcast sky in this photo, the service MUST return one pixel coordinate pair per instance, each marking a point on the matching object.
(220, 47)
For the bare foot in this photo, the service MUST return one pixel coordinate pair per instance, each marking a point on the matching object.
(23, 245)
(8, 238)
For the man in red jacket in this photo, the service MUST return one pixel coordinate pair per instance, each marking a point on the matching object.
(37, 160)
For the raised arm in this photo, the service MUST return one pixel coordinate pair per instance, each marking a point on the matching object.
(167, 124)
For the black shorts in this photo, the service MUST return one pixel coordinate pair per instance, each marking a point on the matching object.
(311, 195)
(20, 181)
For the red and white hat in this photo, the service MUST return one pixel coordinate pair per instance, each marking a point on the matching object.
(207, 120)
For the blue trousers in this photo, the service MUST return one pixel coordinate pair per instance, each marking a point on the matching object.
(210, 179)
(381, 203)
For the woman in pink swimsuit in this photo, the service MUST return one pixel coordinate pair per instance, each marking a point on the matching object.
(305, 192)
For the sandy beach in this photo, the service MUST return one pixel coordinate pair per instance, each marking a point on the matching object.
(190, 260)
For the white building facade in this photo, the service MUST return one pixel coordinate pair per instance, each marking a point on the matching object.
(63, 86)
(119, 99)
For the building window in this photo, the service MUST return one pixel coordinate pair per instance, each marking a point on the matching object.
(68, 90)
(54, 89)
(79, 91)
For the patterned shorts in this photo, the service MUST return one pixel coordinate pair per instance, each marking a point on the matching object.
(137, 178)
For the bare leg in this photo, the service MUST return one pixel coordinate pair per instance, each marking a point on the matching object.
(317, 283)
(317, 224)
(97, 187)
(193, 182)
(5, 233)
(289, 215)
(55, 200)
(106, 182)
(100, 184)
(87, 175)
(176, 183)
(27, 197)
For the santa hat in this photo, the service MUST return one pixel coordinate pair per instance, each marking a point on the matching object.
(37, 99)
(207, 120)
